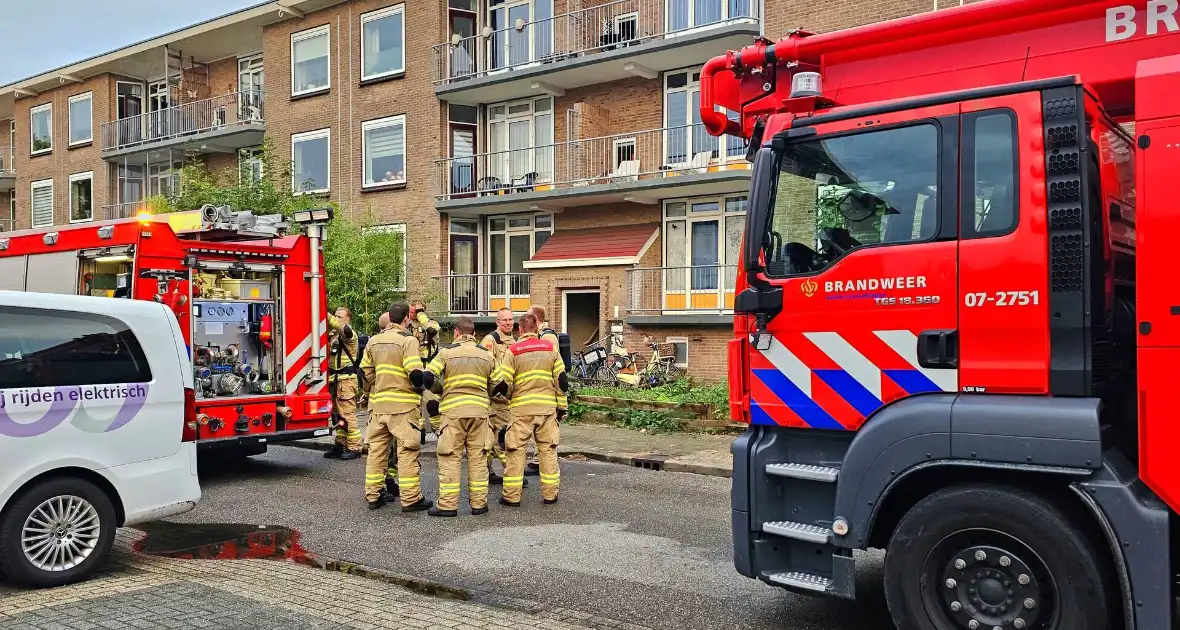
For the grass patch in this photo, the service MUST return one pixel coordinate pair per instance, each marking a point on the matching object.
(681, 391)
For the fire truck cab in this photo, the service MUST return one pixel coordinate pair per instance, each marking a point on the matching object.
(956, 330)
(248, 298)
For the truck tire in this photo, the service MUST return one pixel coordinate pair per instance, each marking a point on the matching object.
(82, 528)
(993, 554)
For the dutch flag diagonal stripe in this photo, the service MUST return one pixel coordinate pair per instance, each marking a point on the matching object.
(905, 344)
(789, 364)
(849, 359)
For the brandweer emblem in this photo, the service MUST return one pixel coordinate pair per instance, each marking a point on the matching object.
(808, 287)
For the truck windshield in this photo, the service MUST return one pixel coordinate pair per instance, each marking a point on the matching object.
(841, 193)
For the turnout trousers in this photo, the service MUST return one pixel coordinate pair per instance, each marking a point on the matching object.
(459, 436)
(344, 392)
(544, 430)
(384, 430)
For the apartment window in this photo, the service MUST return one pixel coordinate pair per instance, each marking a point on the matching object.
(81, 119)
(511, 47)
(463, 122)
(702, 240)
(383, 38)
(163, 179)
(45, 348)
(250, 85)
(679, 350)
(41, 195)
(311, 154)
(11, 145)
(250, 165)
(41, 128)
(310, 70)
(512, 240)
(389, 238)
(81, 197)
(683, 15)
(686, 142)
(131, 183)
(384, 148)
(520, 138)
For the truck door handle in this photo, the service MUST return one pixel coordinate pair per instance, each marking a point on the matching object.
(938, 349)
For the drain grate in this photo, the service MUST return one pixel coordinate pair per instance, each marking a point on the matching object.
(649, 462)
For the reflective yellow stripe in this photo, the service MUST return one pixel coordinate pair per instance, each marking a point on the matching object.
(407, 397)
(374, 478)
(548, 482)
(520, 378)
(513, 484)
(412, 363)
(436, 366)
(385, 368)
(477, 484)
(408, 482)
(367, 360)
(466, 379)
(562, 402)
(533, 399)
(553, 476)
(506, 371)
(460, 400)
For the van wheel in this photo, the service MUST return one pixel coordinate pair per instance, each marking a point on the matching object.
(986, 556)
(57, 532)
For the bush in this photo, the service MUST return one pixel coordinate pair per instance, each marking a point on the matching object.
(679, 391)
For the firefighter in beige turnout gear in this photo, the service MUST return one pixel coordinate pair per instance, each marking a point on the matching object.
(546, 334)
(463, 375)
(498, 341)
(534, 375)
(342, 384)
(395, 378)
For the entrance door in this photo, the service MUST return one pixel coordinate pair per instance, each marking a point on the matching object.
(867, 262)
(250, 86)
(129, 105)
(465, 289)
(580, 312)
(158, 102)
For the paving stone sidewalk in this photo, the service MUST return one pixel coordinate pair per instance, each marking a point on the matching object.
(698, 453)
(138, 591)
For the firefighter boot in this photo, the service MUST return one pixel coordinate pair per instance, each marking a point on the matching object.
(547, 435)
(380, 501)
(335, 452)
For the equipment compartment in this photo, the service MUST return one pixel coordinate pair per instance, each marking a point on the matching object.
(235, 336)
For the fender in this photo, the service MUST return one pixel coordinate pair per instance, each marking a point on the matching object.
(957, 429)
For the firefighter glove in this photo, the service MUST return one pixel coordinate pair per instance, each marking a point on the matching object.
(563, 381)
(501, 389)
(500, 435)
(418, 378)
(432, 408)
(560, 414)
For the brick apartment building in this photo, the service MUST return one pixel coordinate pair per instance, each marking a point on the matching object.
(532, 151)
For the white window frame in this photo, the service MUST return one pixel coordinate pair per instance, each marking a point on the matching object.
(41, 183)
(396, 228)
(372, 16)
(693, 27)
(250, 69)
(673, 341)
(501, 166)
(724, 283)
(693, 86)
(78, 177)
(253, 155)
(312, 135)
(391, 121)
(77, 98)
(47, 107)
(12, 209)
(326, 31)
(12, 145)
(509, 232)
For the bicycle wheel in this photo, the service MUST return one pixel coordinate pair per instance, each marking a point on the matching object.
(604, 375)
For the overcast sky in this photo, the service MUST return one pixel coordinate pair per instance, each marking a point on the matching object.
(40, 35)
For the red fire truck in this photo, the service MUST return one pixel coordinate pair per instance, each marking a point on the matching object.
(246, 295)
(956, 338)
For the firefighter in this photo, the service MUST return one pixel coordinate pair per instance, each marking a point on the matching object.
(426, 331)
(383, 322)
(342, 385)
(395, 378)
(498, 341)
(546, 334)
(463, 375)
(534, 377)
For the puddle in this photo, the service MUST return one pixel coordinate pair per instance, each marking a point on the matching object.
(223, 541)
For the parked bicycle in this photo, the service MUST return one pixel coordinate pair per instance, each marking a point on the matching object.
(590, 365)
(660, 368)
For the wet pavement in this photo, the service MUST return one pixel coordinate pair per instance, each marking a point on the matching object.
(624, 546)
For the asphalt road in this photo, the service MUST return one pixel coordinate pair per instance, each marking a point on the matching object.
(643, 547)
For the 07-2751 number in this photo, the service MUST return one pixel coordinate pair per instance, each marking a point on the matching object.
(1002, 298)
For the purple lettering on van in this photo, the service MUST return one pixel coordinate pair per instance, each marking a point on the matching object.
(133, 398)
(58, 411)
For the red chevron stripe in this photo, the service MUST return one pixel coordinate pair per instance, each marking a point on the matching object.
(774, 407)
(833, 403)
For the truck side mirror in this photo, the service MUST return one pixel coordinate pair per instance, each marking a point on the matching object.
(763, 180)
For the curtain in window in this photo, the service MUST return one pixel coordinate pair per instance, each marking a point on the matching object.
(701, 140)
(704, 255)
(676, 251)
(740, 9)
(707, 12)
(385, 148)
(677, 134)
(542, 28)
(311, 63)
(677, 15)
(544, 144)
(463, 165)
(518, 143)
(383, 45)
(43, 206)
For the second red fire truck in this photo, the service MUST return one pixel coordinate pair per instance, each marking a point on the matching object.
(249, 297)
(958, 327)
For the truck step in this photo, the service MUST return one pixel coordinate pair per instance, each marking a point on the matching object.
(798, 579)
(799, 531)
(810, 472)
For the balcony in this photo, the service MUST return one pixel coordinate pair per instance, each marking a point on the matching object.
(119, 211)
(485, 293)
(607, 42)
(7, 170)
(700, 294)
(222, 124)
(639, 167)
(7, 225)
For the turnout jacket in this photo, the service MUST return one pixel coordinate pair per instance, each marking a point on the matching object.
(533, 371)
(390, 358)
(464, 369)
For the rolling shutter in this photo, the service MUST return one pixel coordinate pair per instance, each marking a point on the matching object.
(12, 273)
(53, 273)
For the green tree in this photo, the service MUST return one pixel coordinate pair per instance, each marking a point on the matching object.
(364, 268)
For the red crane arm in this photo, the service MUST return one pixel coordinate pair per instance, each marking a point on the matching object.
(988, 43)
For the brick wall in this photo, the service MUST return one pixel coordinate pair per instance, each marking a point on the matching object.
(347, 104)
(63, 160)
(547, 286)
(706, 347)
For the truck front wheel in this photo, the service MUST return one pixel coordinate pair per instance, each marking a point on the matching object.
(981, 556)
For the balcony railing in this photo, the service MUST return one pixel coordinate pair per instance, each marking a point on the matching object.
(655, 153)
(119, 211)
(672, 290)
(7, 161)
(7, 225)
(485, 293)
(227, 110)
(514, 43)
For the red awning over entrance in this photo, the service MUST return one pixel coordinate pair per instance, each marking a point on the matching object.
(609, 245)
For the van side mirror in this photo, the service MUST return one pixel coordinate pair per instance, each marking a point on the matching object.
(763, 180)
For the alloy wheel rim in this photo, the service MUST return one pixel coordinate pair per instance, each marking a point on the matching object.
(60, 533)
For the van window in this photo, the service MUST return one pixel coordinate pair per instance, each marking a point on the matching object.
(51, 348)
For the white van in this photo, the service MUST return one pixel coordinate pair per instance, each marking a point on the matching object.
(96, 397)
